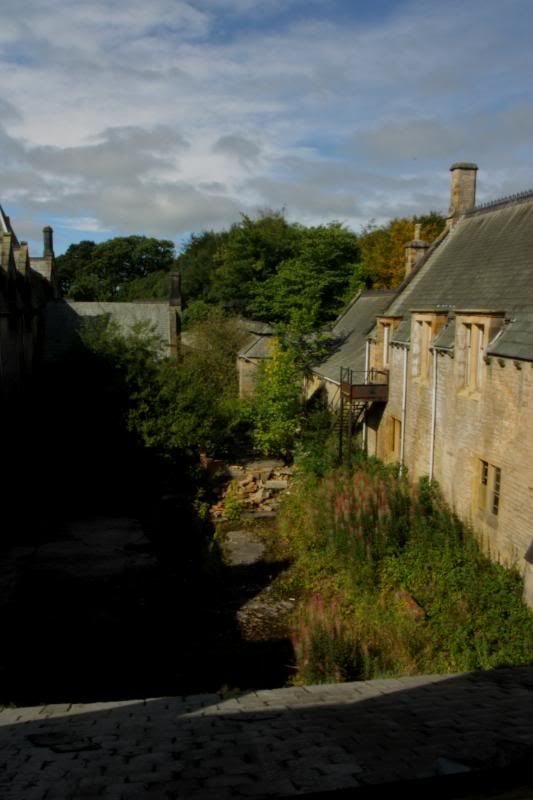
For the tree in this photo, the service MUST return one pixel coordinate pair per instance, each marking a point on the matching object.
(277, 408)
(314, 281)
(166, 406)
(382, 262)
(250, 254)
(155, 286)
(197, 264)
(90, 271)
(73, 264)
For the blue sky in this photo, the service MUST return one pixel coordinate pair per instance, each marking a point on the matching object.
(169, 117)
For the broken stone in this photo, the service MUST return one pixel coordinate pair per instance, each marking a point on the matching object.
(259, 514)
(235, 471)
(277, 486)
(258, 496)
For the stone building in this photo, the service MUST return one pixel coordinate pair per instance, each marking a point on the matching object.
(26, 286)
(36, 324)
(255, 350)
(455, 343)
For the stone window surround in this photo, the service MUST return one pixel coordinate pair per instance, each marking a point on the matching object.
(488, 490)
(385, 331)
(474, 332)
(425, 325)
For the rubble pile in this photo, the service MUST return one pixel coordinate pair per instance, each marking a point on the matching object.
(253, 488)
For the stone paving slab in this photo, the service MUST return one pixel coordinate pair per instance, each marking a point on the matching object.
(279, 743)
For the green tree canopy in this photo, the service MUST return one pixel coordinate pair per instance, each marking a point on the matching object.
(196, 264)
(89, 271)
(250, 254)
(313, 282)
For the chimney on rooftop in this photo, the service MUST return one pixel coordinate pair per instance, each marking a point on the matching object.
(463, 190)
(48, 241)
(414, 250)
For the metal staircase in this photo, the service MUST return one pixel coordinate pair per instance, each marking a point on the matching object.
(358, 390)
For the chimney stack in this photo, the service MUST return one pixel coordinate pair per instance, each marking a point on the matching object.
(48, 241)
(414, 250)
(463, 190)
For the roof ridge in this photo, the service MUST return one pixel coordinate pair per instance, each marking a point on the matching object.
(511, 199)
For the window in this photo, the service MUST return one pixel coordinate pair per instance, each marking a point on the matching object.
(386, 345)
(396, 437)
(474, 347)
(490, 478)
(421, 351)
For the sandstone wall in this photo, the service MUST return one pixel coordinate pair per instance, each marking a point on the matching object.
(491, 425)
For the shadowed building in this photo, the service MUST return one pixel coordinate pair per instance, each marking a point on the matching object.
(27, 284)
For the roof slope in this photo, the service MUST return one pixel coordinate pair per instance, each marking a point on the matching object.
(64, 320)
(350, 332)
(484, 263)
(258, 344)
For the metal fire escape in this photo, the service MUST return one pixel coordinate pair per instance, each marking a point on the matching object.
(358, 390)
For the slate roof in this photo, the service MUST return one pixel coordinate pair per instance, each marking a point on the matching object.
(350, 333)
(258, 344)
(64, 319)
(485, 263)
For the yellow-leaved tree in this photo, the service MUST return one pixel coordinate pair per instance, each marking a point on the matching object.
(382, 264)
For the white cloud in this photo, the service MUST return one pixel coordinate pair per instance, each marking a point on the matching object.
(168, 116)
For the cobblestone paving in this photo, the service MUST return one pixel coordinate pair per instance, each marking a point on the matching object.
(273, 743)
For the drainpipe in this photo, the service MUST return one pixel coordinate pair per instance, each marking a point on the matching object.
(433, 415)
(404, 405)
(367, 364)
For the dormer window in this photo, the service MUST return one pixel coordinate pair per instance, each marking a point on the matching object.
(425, 327)
(474, 332)
(475, 342)
(385, 331)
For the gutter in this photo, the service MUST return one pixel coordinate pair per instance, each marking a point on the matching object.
(404, 406)
(367, 364)
(433, 413)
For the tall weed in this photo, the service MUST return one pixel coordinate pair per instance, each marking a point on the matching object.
(363, 540)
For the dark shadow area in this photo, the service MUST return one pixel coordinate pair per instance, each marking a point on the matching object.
(464, 736)
(110, 583)
(74, 635)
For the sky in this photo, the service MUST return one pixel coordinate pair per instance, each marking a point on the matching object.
(169, 117)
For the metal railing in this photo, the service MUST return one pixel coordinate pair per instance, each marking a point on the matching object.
(372, 384)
